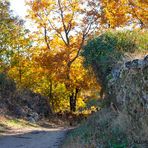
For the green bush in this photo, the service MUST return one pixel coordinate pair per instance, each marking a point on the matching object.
(104, 51)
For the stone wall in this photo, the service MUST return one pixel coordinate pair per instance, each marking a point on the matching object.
(128, 85)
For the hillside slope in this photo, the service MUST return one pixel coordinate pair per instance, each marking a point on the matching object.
(21, 103)
(125, 123)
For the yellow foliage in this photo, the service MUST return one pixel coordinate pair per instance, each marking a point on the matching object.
(120, 12)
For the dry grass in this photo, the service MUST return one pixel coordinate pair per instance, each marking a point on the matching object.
(9, 123)
(109, 129)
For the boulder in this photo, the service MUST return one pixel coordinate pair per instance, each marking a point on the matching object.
(33, 117)
(32, 120)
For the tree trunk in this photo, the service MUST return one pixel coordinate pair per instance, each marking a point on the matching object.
(72, 103)
(73, 100)
(20, 74)
(50, 90)
(50, 98)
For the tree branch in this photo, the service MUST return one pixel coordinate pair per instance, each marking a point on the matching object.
(64, 26)
(45, 33)
(58, 33)
(46, 38)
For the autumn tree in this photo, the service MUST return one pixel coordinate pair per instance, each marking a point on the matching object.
(13, 41)
(118, 13)
(7, 25)
(63, 26)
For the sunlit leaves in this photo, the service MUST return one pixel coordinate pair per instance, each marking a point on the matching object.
(62, 29)
(121, 12)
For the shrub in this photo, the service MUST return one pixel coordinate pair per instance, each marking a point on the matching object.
(106, 50)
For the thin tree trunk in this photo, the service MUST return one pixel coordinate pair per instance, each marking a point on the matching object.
(20, 74)
(73, 100)
(72, 106)
(50, 90)
(51, 97)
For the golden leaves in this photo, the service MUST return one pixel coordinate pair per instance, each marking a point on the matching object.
(120, 12)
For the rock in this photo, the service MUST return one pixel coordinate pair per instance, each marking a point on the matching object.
(146, 58)
(33, 117)
(129, 85)
(128, 64)
(141, 64)
(146, 61)
(115, 73)
(32, 120)
(134, 63)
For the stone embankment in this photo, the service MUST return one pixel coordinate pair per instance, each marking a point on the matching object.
(128, 88)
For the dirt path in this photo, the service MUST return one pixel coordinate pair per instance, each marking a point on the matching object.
(33, 138)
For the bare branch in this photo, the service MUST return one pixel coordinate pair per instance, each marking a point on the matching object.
(46, 38)
(78, 52)
(64, 26)
(58, 32)
(70, 23)
(45, 33)
(62, 15)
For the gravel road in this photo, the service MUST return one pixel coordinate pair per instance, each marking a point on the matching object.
(33, 138)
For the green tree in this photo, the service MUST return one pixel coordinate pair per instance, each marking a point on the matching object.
(12, 36)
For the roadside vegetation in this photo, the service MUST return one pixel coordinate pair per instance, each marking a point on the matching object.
(122, 120)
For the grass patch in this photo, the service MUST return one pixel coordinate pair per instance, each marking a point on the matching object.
(104, 129)
(7, 123)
